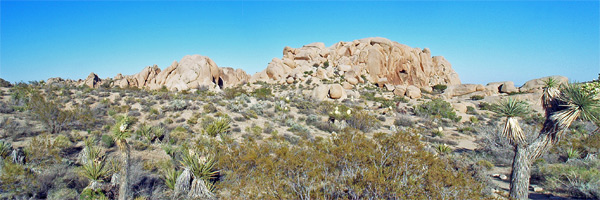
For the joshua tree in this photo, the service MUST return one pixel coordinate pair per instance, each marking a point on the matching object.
(562, 107)
(195, 180)
(121, 133)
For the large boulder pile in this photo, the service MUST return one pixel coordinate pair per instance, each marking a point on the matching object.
(378, 60)
(192, 72)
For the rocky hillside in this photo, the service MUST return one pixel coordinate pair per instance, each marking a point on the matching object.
(373, 60)
(378, 60)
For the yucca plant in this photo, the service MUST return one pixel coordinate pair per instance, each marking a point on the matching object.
(170, 177)
(573, 153)
(5, 148)
(512, 109)
(195, 180)
(443, 149)
(121, 132)
(94, 170)
(219, 126)
(562, 105)
(147, 132)
(550, 92)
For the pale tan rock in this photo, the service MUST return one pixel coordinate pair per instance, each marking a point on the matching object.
(344, 68)
(463, 89)
(538, 84)
(352, 80)
(413, 92)
(320, 92)
(508, 87)
(375, 58)
(389, 87)
(336, 91)
(347, 85)
(428, 89)
(92, 81)
(399, 90)
(290, 80)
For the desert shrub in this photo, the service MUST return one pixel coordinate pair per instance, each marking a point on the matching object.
(209, 108)
(9, 127)
(107, 141)
(471, 110)
(487, 164)
(177, 105)
(485, 106)
(42, 150)
(363, 120)
(437, 108)
(233, 92)
(262, 93)
(352, 166)
(16, 179)
(5, 108)
(477, 97)
(51, 114)
(494, 146)
(439, 88)
(403, 121)
(580, 178)
(179, 134)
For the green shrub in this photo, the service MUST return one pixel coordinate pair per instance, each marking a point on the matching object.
(209, 108)
(233, 92)
(477, 97)
(437, 108)
(487, 164)
(580, 178)
(352, 165)
(107, 141)
(439, 88)
(262, 93)
(51, 114)
(363, 120)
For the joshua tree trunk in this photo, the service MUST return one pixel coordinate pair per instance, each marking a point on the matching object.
(519, 181)
(550, 134)
(124, 186)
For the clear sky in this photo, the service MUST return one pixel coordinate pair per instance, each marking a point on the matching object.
(484, 41)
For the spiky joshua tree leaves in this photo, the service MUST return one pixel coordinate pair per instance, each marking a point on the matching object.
(196, 179)
(562, 105)
(121, 132)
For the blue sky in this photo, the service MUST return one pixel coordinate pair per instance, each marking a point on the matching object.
(484, 41)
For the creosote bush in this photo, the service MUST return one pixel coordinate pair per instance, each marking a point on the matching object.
(349, 166)
(437, 108)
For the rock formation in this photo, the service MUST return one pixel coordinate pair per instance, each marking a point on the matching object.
(378, 60)
(190, 73)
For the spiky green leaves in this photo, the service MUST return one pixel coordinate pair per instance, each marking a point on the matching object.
(550, 93)
(5, 148)
(219, 126)
(201, 166)
(511, 109)
(576, 102)
(93, 166)
(121, 130)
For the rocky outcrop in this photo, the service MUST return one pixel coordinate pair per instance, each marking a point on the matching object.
(92, 81)
(379, 60)
(463, 89)
(191, 72)
(536, 85)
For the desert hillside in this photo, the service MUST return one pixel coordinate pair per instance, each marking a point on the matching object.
(367, 119)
